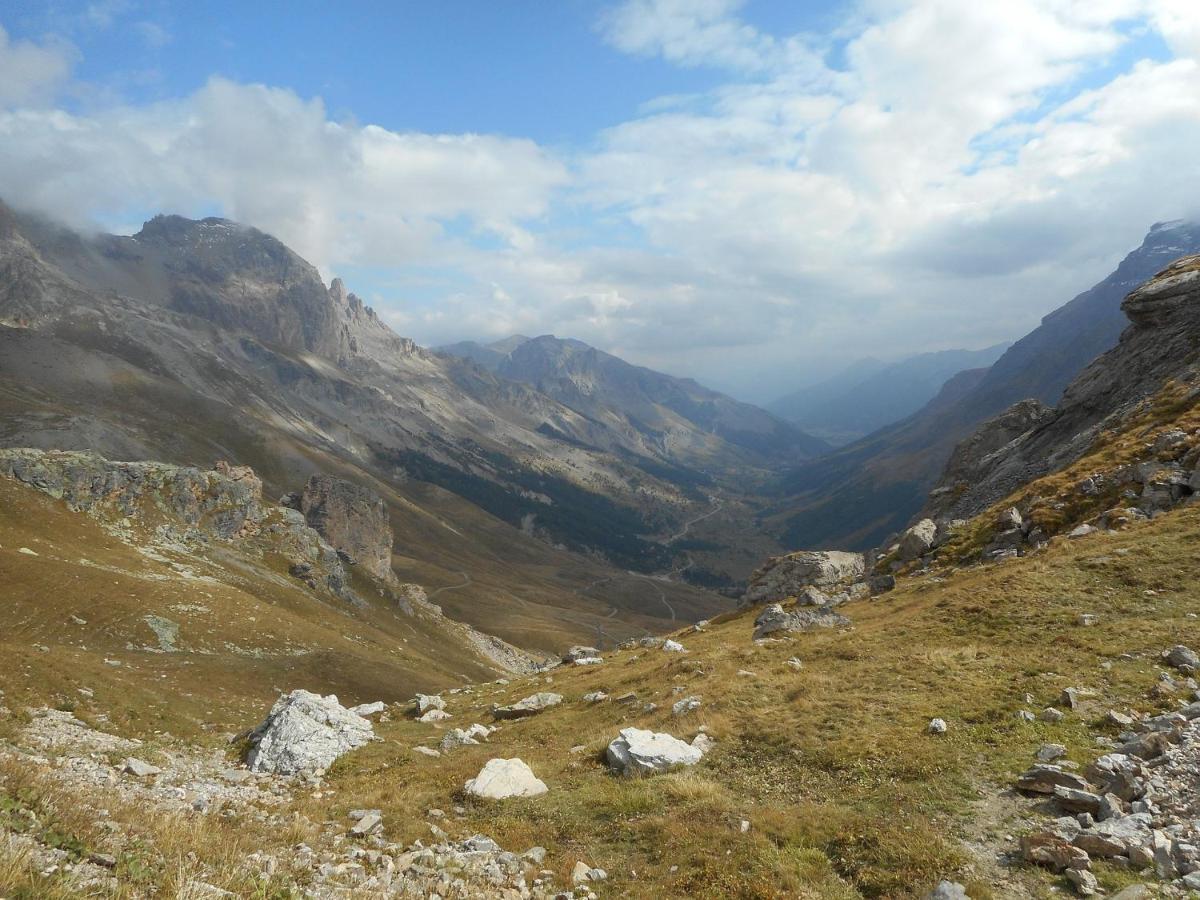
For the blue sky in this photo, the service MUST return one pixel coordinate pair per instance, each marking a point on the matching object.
(751, 193)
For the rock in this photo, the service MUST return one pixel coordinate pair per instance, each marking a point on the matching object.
(1147, 746)
(369, 709)
(704, 743)
(1010, 519)
(783, 577)
(423, 703)
(1043, 779)
(426, 751)
(434, 715)
(1047, 849)
(639, 752)
(948, 890)
(536, 855)
(139, 769)
(500, 779)
(795, 663)
(595, 697)
(673, 647)
(369, 823)
(1087, 620)
(305, 732)
(1051, 715)
(530, 706)
(1050, 752)
(1119, 718)
(1083, 881)
(774, 619)
(583, 873)
(354, 521)
(1069, 698)
(937, 726)
(455, 738)
(1082, 531)
(917, 540)
(1181, 657)
(577, 653)
(627, 698)
(685, 706)
(1077, 801)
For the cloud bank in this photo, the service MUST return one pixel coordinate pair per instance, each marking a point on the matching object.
(930, 174)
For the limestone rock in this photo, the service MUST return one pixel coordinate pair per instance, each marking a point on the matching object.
(775, 619)
(500, 779)
(305, 732)
(917, 540)
(530, 706)
(784, 577)
(948, 890)
(353, 519)
(639, 752)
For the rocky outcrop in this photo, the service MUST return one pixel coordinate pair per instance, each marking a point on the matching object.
(530, 706)
(837, 574)
(181, 503)
(775, 619)
(352, 518)
(970, 461)
(304, 733)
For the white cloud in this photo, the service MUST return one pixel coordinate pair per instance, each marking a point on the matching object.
(30, 72)
(336, 191)
(956, 172)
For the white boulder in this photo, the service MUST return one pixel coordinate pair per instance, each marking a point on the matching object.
(639, 752)
(500, 779)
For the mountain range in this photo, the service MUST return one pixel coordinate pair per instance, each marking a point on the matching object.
(861, 493)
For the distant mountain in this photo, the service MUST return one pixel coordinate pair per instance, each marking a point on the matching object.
(487, 355)
(676, 419)
(871, 394)
(861, 493)
(199, 340)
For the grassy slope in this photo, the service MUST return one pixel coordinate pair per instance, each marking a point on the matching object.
(251, 631)
(847, 794)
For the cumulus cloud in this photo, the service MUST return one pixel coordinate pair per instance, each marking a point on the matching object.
(930, 174)
(32, 72)
(337, 192)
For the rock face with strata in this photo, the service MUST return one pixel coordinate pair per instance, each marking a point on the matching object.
(181, 503)
(352, 518)
(304, 733)
(636, 751)
(834, 572)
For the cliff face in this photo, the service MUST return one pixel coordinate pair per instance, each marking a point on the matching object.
(353, 519)
(1161, 344)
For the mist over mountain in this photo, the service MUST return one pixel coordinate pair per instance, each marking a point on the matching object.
(870, 394)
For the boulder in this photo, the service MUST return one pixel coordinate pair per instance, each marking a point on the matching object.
(530, 706)
(578, 652)
(774, 619)
(784, 577)
(423, 703)
(917, 540)
(500, 779)
(139, 768)
(369, 709)
(948, 890)
(1043, 779)
(937, 726)
(1180, 657)
(305, 732)
(673, 647)
(1048, 849)
(639, 752)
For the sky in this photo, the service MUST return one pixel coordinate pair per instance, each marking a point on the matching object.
(750, 193)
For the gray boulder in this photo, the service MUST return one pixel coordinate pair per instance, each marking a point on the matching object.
(917, 540)
(305, 732)
(784, 577)
(501, 779)
(774, 619)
